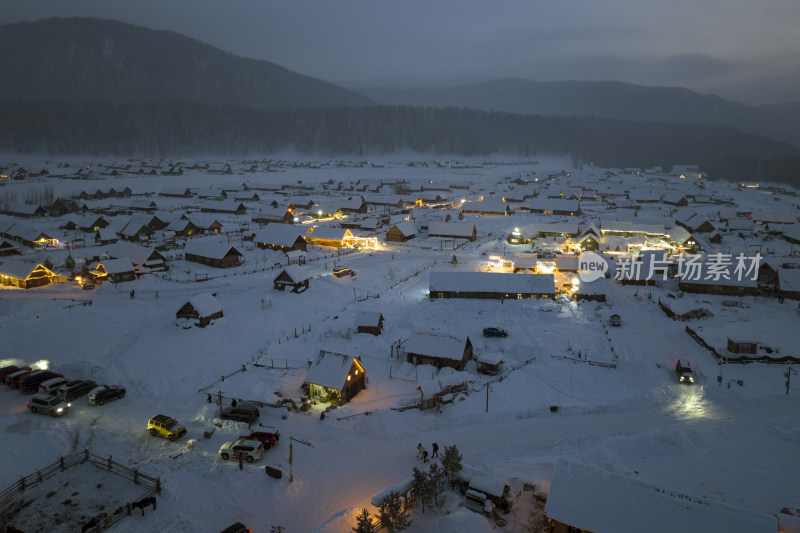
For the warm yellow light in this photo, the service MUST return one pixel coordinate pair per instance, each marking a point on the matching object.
(348, 377)
(41, 365)
(356, 372)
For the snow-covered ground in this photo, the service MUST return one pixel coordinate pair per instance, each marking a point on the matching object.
(737, 445)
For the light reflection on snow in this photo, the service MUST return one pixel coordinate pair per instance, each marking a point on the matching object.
(693, 405)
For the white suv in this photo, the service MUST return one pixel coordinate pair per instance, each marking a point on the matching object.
(248, 450)
(48, 404)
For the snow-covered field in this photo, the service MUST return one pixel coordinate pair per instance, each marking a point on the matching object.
(734, 444)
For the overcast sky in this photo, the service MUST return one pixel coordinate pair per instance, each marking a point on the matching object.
(745, 50)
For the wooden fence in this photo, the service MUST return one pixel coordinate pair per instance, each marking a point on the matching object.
(152, 484)
(741, 358)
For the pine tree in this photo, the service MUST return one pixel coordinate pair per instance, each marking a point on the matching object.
(363, 522)
(451, 461)
(436, 478)
(421, 487)
(391, 513)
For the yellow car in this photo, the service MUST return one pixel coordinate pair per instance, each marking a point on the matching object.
(165, 426)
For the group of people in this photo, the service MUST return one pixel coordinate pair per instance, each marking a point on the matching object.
(422, 453)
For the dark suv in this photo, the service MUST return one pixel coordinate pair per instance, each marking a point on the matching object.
(75, 389)
(30, 382)
(105, 393)
(241, 413)
(684, 370)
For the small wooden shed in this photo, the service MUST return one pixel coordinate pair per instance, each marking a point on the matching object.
(291, 276)
(438, 350)
(204, 308)
(369, 322)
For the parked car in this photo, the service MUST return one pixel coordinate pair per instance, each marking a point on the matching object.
(105, 393)
(684, 370)
(340, 271)
(248, 450)
(165, 426)
(6, 370)
(238, 527)
(75, 389)
(495, 332)
(48, 404)
(241, 413)
(13, 379)
(51, 385)
(29, 384)
(615, 321)
(267, 438)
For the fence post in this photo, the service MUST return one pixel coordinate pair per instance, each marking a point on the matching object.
(61, 460)
(135, 476)
(158, 484)
(21, 483)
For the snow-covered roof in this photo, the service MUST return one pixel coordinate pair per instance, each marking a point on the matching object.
(330, 371)
(137, 253)
(525, 260)
(117, 266)
(278, 235)
(400, 488)
(329, 233)
(212, 249)
(553, 204)
(19, 269)
(595, 500)
(592, 288)
(487, 483)
(205, 304)
(490, 358)
(436, 345)
(407, 228)
(295, 273)
(368, 318)
(490, 205)
(494, 282)
(452, 229)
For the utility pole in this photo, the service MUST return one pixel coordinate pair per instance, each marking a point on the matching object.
(219, 402)
(488, 388)
(291, 455)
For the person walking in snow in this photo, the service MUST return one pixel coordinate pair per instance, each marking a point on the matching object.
(419, 451)
(132, 293)
(424, 455)
(435, 450)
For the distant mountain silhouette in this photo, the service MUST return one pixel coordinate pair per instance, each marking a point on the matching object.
(605, 99)
(85, 59)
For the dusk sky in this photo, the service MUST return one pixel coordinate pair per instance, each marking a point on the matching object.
(744, 50)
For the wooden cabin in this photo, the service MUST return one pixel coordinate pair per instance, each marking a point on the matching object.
(215, 254)
(203, 308)
(369, 322)
(438, 350)
(335, 378)
(291, 276)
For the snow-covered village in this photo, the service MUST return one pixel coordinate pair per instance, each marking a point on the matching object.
(328, 345)
(383, 267)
